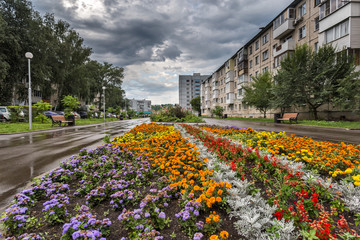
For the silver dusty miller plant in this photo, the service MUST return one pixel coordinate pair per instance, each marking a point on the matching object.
(252, 213)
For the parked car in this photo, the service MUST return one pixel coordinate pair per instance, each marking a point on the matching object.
(84, 115)
(49, 113)
(5, 112)
(2, 118)
(76, 115)
(60, 112)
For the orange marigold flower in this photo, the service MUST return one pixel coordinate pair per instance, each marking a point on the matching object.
(214, 237)
(224, 234)
(218, 199)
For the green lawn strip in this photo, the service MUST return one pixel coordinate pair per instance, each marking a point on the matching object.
(24, 126)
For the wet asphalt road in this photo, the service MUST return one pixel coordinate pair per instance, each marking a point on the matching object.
(28, 155)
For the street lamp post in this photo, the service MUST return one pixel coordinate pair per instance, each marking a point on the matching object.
(29, 56)
(104, 100)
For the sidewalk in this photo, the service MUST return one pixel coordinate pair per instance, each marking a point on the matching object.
(317, 133)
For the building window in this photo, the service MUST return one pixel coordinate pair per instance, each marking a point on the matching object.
(316, 23)
(330, 6)
(250, 50)
(250, 63)
(316, 47)
(265, 55)
(256, 60)
(265, 38)
(316, 2)
(256, 45)
(302, 32)
(302, 10)
(265, 69)
(337, 32)
(256, 74)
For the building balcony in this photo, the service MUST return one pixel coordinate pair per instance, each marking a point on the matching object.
(289, 45)
(215, 104)
(229, 77)
(284, 29)
(242, 79)
(230, 98)
(216, 94)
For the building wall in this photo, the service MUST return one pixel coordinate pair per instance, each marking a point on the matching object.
(299, 23)
(189, 88)
(140, 105)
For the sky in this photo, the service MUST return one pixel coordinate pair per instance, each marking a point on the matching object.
(155, 41)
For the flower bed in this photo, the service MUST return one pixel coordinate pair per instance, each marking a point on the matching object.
(315, 210)
(340, 161)
(147, 184)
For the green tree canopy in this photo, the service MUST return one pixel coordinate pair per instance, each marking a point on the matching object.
(196, 104)
(218, 111)
(311, 78)
(259, 93)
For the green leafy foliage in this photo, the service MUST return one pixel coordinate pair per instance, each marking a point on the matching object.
(71, 103)
(315, 78)
(259, 93)
(196, 104)
(218, 111)
(170, 113)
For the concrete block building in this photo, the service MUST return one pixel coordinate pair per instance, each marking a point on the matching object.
(140, 105)
(314, 22)
(189, 88)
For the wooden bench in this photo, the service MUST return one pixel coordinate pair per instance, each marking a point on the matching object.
(59, 119)
(289, 116)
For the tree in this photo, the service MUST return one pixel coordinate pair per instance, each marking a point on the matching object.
(218, 111)
(71, 103)
(259, 93)
(196, 104)
(311, 78)
(40, 108)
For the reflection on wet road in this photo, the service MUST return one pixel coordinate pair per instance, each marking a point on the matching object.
(25, 156)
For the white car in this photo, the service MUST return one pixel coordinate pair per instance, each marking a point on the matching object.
(5, 112)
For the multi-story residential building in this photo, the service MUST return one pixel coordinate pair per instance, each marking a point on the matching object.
(339, 25)
(189, 88)
(314, 22)
(140, 105)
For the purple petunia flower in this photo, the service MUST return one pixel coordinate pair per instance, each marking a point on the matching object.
(162, 215)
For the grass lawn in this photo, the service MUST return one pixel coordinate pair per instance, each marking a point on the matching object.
(337, 124)
(6, 127)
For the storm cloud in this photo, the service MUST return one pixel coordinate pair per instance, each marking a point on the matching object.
(157, 40)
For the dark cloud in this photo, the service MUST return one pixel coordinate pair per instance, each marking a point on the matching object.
(193, 35)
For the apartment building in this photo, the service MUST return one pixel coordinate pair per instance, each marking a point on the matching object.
(140, 105)
(314, 22)
(189, 88)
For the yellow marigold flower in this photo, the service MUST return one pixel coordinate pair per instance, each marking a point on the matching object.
(214, 237)
(224, 234)
(357, 183)
(348, 171)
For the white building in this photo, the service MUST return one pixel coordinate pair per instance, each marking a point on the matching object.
(140, 105)
(189, 88)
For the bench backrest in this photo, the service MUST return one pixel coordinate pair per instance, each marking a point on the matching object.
(58, 117)
(290, 115)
